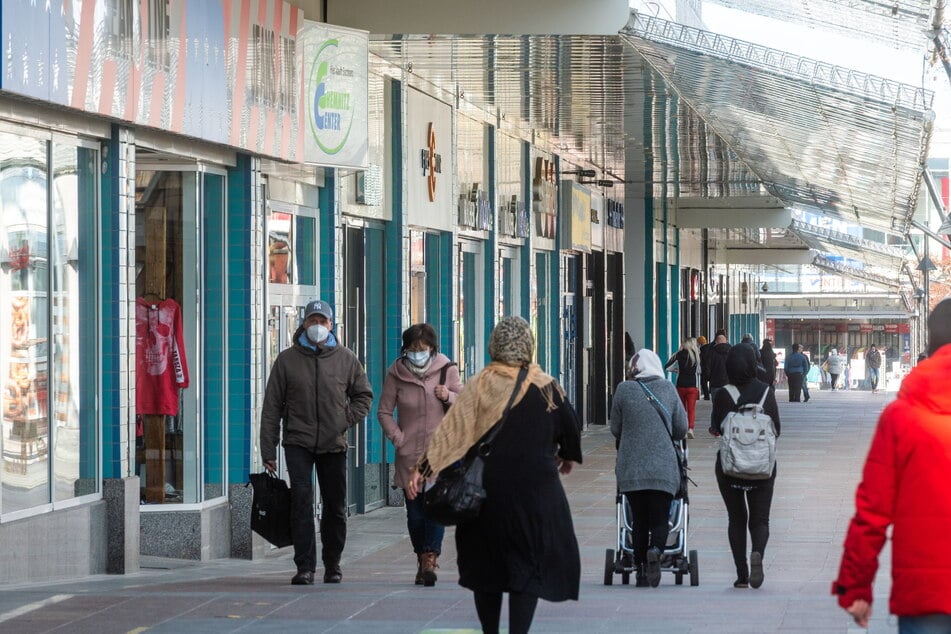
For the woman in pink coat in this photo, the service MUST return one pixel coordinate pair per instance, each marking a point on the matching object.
(420, 386)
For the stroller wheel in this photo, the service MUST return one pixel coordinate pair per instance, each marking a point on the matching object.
(609, 567)
(625, 578)
(679, 578)
(694, 567)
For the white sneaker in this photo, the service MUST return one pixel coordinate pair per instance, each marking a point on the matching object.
(689, 433)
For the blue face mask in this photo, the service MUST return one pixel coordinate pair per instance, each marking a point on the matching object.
(317, 333)
(419, 359)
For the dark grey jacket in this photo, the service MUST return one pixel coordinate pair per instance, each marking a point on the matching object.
(645, 456)
(318, 394)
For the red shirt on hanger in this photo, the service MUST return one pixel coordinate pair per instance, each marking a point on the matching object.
(160, 366)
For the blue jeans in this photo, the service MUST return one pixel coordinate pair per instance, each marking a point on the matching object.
(924, 624)
(425, 534)
(873, 377)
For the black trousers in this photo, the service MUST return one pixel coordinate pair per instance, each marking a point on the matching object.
(746, 507)
(651, 511)
(332, 478)
(795, 386)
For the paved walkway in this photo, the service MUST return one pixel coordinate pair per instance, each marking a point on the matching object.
(821, 454)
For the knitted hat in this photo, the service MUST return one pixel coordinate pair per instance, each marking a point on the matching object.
(511, 342)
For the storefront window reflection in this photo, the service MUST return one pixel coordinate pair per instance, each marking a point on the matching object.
(47, 326)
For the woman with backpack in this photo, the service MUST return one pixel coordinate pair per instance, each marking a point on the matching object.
(420, 386)
(747, 500)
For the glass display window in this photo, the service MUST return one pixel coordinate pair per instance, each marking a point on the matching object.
(49, 213)
(181, 325)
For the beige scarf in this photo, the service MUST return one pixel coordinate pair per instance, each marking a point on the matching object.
(477, 409)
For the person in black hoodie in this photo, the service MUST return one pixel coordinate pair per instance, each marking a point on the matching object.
(747, 501)
(716, 365)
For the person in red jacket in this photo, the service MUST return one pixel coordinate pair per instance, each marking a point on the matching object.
(904, 485)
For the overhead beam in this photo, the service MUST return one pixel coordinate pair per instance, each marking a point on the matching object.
(730, 202)
(498, 17)
(764, 256)
(733, 218)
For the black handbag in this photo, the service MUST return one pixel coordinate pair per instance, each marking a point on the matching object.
(271, 508)
(457, 495)
(682, 466)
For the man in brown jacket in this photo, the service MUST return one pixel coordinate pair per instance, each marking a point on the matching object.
(319, 389)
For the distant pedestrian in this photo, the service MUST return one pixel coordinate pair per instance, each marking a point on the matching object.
(318, 390)
(904, 486)
(647, 471)
(796, 368)
(768, 359)
(873, 361)
(419, 386)
(703, 346)
(836, 364)
(523, 541)
(747, 502)
(716, 364)
(686, 363)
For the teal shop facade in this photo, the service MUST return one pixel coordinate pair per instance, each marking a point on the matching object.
(116, 209)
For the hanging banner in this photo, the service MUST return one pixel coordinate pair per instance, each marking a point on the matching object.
(223, 72)
(334, 72)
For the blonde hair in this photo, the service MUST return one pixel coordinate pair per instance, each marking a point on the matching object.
(693, 351)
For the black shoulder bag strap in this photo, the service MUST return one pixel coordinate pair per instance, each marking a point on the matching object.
(665, 417)
(483, 447)
(442, 381)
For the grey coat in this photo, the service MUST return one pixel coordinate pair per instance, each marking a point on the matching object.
(645, 456)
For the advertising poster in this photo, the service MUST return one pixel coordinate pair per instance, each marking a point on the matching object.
(334, 72)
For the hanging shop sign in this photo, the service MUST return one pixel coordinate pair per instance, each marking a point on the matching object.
(513, 217)
(219, 71)
(576, 207)
(430, 164)
(475, 209)
(545, 198)
(614, 225)
(597, 221)
(335, 72)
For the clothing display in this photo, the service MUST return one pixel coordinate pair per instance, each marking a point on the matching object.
(161, 368)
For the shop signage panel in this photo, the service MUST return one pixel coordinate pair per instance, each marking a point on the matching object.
(545, 199)
(865, 327)
(597, 221)
(335, 75)
(222, 72)
(429, 169)
(576, 207)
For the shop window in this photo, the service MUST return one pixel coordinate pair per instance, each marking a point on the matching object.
(181, 335)
(49, 202)
(292, 245)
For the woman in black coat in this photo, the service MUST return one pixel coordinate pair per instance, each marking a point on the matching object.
(747, 501)
(768, 359)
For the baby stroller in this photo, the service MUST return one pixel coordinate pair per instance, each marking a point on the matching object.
(676, 558)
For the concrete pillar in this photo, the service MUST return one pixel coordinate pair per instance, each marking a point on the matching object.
(121, 496)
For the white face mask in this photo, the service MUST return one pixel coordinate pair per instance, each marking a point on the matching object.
(419, 359)
(317, 333)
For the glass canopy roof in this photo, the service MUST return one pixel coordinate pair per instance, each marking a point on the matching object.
(898, 23)
(837, 141)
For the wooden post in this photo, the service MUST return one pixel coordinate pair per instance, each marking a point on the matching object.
(155, 271)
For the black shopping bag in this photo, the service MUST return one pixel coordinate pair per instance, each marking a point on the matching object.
(271, 509)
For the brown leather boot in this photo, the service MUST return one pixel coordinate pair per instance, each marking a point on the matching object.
(428, 564)
(419, 570)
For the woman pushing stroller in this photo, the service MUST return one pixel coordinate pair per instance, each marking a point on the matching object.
(647, 471)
